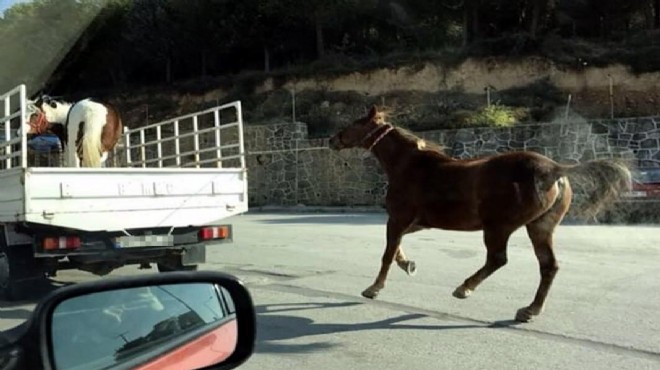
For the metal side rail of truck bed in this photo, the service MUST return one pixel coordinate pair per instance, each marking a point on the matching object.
(162, 201)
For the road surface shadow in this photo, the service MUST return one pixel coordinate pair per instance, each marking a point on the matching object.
(289, 307)
(366, 219)
(504, 324)
(272, 328)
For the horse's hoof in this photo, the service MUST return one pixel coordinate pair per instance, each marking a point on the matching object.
(410, 267)
(525, 314)
(370, 293)
(462, 292)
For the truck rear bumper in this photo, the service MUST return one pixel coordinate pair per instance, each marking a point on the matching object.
(190, 254)
(101, 252)
(136, 242)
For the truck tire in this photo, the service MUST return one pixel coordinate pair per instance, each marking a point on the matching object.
(6, 284)
(177, 267)
(20, 277)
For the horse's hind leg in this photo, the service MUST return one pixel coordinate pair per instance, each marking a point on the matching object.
(548, 265)
(496, 240)
(540, 231)
(395, 231)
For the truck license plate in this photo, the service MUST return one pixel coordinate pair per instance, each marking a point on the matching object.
(145, 241)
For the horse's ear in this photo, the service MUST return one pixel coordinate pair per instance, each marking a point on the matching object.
(372, 112)
(50, 101)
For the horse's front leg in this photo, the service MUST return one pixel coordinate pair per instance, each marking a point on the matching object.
(410, 267)
(71, 157)
(496, 240)
(395, 231)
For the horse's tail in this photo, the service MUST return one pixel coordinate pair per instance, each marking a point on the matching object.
(601, 182)
(91, 146)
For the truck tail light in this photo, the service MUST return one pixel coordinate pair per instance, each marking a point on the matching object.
(214, 232)
(61, 242)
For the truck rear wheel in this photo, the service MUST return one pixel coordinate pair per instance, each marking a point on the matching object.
(6, 284)
(175, 267)
(19, 274)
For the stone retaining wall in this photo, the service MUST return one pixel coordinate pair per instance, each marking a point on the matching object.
(286, 168)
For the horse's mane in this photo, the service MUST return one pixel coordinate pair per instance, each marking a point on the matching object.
(422, 144)
(31, 106)
(30, 109)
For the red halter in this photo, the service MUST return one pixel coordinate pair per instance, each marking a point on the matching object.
(39, 124)
(380, 137)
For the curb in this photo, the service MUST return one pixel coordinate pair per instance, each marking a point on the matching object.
(314, 209)
(365, 209)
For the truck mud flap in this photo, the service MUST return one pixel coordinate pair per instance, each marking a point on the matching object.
(193, 255)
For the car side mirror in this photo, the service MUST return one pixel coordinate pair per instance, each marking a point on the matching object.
(175, 320)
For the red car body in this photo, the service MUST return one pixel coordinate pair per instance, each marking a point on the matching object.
(206, 350)
(646, 185)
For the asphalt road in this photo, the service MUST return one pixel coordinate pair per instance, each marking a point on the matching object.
(306, 272)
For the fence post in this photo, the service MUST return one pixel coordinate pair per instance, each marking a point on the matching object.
(7, 132)
(297, 140)
(611, 97)
(293, 104)
(487, 88)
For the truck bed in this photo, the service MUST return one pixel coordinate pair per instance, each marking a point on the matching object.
(185, 171)
(121, 198)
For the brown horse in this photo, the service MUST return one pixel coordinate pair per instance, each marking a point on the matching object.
(497, 194)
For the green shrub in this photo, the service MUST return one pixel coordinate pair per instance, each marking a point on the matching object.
(495, 115)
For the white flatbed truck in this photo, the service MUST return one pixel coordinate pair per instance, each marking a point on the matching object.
(162, 202)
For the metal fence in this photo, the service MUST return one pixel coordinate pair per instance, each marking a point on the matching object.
(209, 138)
(13, 143)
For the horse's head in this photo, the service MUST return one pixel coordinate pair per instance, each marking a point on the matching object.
(35, 119)
(53, 109)
(362, 132)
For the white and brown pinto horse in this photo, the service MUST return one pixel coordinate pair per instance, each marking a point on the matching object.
(94, 128)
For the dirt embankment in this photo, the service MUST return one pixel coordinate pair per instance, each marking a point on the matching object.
(423, 95)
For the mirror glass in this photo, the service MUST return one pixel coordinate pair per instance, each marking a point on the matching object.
(175, 326)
